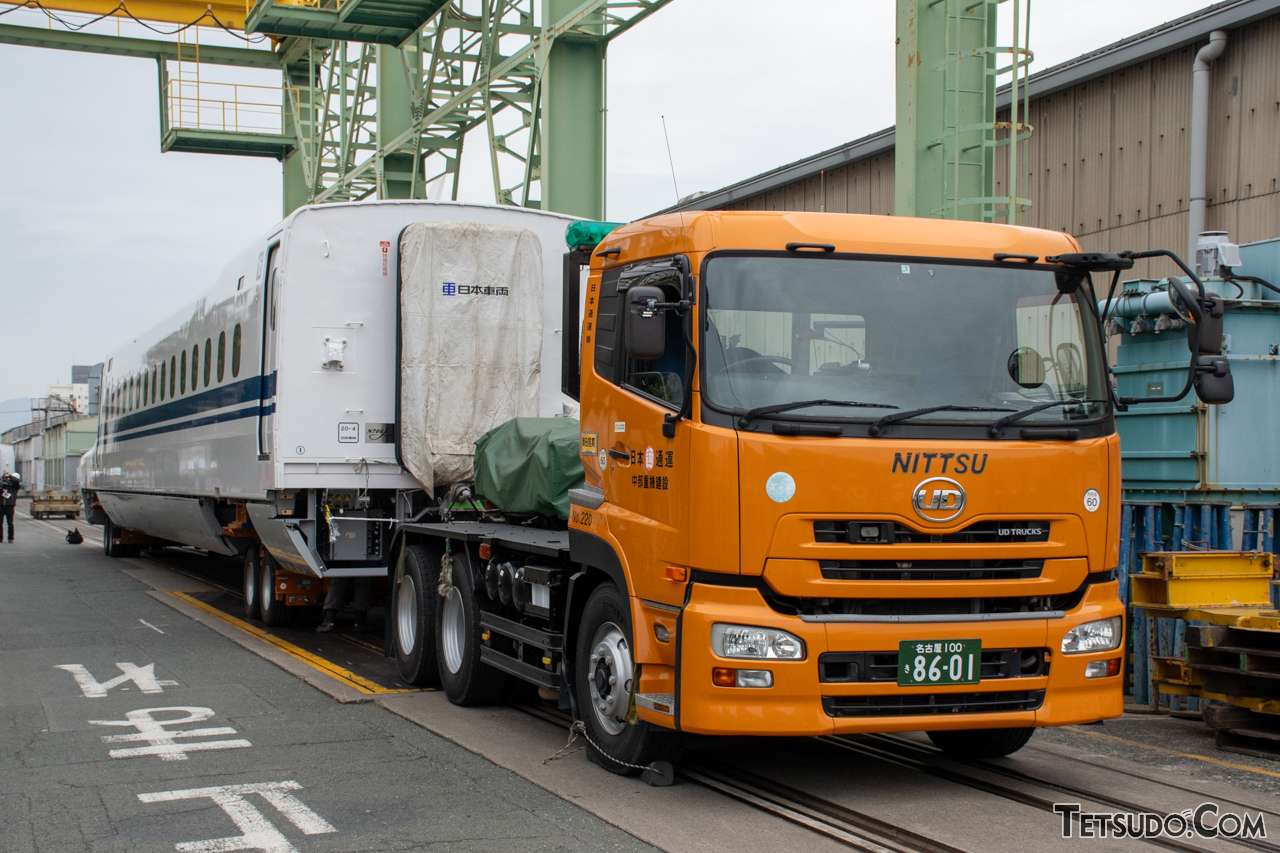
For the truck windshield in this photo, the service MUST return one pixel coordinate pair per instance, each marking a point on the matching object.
(976, 341)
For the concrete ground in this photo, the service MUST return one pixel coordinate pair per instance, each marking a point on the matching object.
(485, 777)
(252, 752)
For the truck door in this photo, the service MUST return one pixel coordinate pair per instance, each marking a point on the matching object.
(270, 356)
(646, 476)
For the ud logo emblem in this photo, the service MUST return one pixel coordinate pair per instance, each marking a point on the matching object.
(938, 499)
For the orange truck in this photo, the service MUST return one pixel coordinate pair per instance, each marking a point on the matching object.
(841, 474)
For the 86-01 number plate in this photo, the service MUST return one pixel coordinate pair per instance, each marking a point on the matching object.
(939, 662)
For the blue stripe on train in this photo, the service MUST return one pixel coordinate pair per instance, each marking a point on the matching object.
(245, 391)
(222, 417)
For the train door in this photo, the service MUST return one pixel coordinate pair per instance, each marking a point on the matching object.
(270, 357)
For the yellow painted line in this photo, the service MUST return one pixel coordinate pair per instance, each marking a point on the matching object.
(364, 685)
(1162, 749)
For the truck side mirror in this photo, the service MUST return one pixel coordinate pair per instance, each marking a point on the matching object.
(646, 332)
(1026, 367)
(1213, 381)
(1210, 322)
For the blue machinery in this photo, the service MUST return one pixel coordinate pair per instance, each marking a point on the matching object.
(1192, 472)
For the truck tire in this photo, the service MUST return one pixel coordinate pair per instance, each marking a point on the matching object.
(602, 667)
(252, 579)
(413, 622)
(465, 678)
(981, 743)
(274, 612)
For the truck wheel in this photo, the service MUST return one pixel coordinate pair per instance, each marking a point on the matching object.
(413, 614)
(466, 680)
(602, 668)
(252, 570)
(274, 612)
(981, 743)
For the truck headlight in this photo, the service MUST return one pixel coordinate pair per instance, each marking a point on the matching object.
(748, 642)
(1101, 636)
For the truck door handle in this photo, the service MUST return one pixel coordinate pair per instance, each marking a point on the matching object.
(619, 454)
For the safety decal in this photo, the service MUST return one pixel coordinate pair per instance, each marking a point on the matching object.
(780, 487)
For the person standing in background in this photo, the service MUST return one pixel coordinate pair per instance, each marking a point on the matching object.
(9, 485)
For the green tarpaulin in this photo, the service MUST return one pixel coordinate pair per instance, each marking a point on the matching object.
(529, 465)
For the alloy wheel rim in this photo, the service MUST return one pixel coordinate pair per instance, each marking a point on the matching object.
(267, 589)
(250, 585)
(452, 630)
(609, 670)
(407, 615)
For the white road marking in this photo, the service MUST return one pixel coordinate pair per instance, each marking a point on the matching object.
(143, 676)
(258, 832)
(162, 741)
(152, 627)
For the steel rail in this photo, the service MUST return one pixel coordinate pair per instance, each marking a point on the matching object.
(893, 752)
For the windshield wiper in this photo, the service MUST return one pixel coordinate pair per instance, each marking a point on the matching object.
(877, 428)
(999, 425)
(752, 414)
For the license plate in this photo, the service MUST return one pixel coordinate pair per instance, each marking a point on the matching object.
(939, 662)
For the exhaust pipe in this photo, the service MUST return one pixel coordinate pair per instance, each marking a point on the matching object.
(1200, 135)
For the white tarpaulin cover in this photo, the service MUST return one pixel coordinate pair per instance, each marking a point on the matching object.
(471, 335)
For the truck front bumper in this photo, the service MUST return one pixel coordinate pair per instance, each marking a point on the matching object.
(800, 703)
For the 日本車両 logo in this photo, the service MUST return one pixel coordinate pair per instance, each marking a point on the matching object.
(938, 499)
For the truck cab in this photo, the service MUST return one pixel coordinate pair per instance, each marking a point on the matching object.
(860, 474)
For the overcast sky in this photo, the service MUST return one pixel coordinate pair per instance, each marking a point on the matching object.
(103, 235)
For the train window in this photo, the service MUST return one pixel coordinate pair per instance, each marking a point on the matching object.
(235, 351)
(145, 385)
(222, 354)
(153, 384)
(128, 396)
(195, 368)
(173, 375)
(208, 359)
(162, 367)
(182, 374)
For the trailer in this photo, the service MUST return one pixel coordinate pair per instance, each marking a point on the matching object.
(743, 473)
(52, 502)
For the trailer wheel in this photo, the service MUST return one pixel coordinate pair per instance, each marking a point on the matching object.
(274, 612)
(465, 678)
(413, 615)
(603, 669)
(981, 743)
(252, 571)
(110, 548)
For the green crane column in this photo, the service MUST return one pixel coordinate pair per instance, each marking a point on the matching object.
(945, 108)
(296, 191)
(395, 116)
(573, 121)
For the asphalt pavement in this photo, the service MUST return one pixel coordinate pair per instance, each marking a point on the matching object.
(126, 726)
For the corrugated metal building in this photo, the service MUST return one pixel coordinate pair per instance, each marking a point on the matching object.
(1109, 159)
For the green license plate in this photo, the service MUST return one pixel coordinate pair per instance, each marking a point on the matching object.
(939, 662)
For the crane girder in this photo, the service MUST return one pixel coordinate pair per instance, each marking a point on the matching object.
(388, 116)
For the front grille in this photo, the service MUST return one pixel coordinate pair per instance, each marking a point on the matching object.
(930, 570)
(862, 667)
(939, 607)
(891, 533)
(926, 704)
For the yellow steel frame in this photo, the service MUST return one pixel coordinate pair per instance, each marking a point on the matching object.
(230, 13)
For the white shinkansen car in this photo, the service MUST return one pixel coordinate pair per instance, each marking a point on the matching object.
(267, 408)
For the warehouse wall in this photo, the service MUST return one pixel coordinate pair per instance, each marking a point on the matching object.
(1108, 162)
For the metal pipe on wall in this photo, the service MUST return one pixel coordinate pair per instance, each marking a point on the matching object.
(1200, 135)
